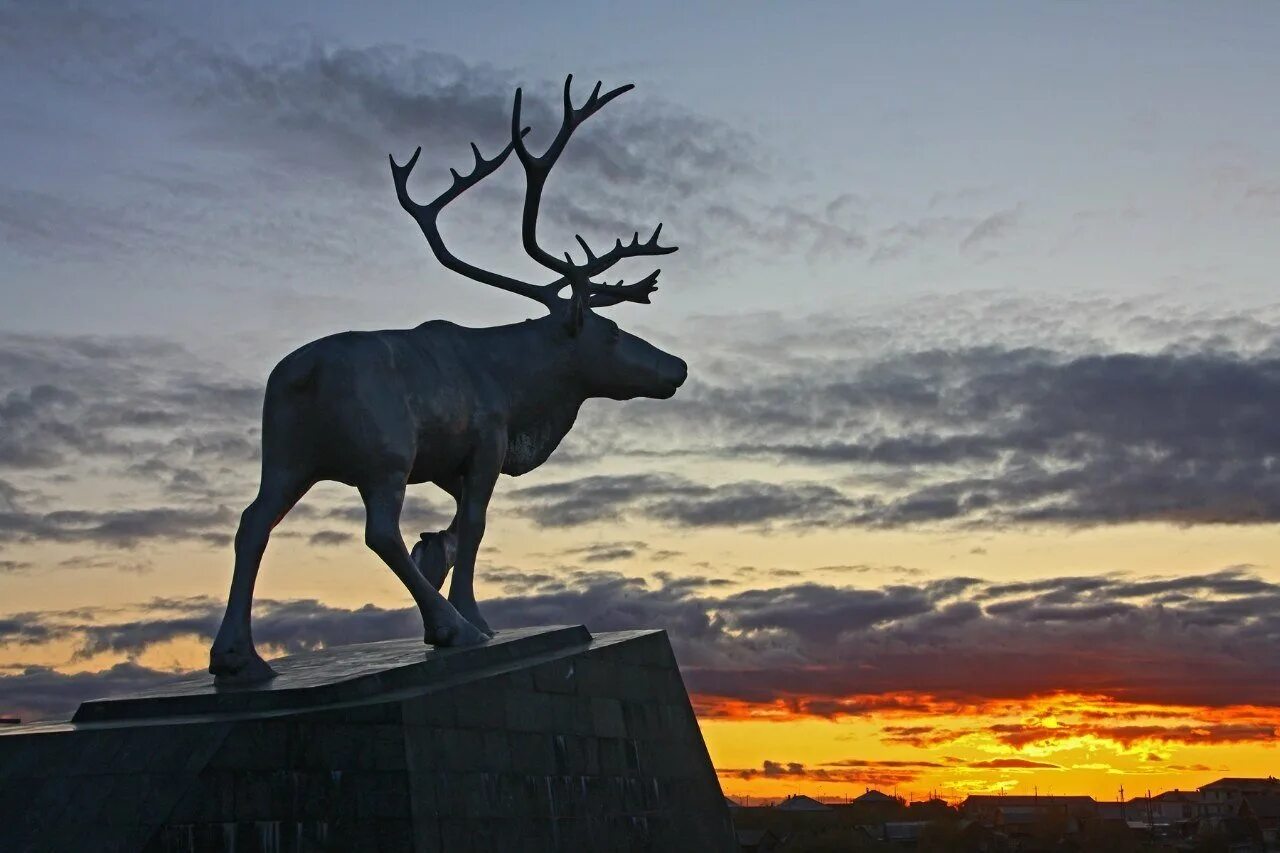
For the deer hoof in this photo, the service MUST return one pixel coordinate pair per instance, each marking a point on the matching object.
(464, 634)
(235, 667)
(471, 613)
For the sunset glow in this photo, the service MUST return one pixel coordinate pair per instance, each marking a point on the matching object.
(974, 484)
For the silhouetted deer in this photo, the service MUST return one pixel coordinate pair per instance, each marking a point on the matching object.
(444, 404)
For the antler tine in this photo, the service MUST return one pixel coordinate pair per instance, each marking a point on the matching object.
(537, 168)
(583, 243)
(634, 249)
(604, 295)
(426, 216)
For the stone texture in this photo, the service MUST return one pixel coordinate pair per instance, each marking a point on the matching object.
(543, 739)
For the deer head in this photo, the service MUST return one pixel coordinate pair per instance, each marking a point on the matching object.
(608, 361)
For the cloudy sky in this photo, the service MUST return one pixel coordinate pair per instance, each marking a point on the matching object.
(975, 482)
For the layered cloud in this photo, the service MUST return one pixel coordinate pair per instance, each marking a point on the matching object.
(978, 434)
(988, 435)
(885, 773)
(300, 123)
(949, 646)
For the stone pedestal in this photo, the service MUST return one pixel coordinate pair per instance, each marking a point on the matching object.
(541, 739)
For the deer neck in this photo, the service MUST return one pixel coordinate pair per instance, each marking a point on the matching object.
(532, 364)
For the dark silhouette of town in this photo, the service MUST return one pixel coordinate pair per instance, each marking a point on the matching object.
(1230, 815)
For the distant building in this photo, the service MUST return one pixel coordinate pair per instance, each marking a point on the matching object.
(1264, 813)
(801, 803)
(1169, 808)
(980, 805)
(1223, 797)
(873, 797)
(1017, 814)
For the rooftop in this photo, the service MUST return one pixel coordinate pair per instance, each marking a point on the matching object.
(1242, 782)
(1027, 800)
(801, 803)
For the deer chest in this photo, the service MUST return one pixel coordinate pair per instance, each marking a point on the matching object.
(529, 444)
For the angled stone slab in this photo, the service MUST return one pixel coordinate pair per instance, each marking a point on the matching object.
(542, 739)
(338, 674)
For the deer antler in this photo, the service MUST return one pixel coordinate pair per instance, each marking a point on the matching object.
(604, 295)
(426, 216)
(586, 293)
(536, 171)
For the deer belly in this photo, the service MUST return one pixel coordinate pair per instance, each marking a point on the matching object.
(439, 457)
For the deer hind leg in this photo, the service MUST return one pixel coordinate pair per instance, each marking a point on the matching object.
(233, 657)
(435, 553)
(442, 624)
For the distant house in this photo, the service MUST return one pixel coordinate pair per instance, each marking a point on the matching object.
(1264, 813)
(873, 797)
(987, 807)
(801, 803)
(1222, 797)
(1176, 806)
(1169, 808)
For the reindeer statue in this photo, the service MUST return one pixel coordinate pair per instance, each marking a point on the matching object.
(445, 404)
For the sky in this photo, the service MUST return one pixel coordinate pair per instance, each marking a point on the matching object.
(975, 481)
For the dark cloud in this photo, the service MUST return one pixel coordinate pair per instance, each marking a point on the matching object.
(1013, 764)
(939, 647)
(38, 692)
(607, 552)
(418, 512)
(28, 629)
(120, 528)
(329, 537)
(679, 501)
(588, 499)
(1021, 735)
(177, 436)
(332, 112)
(882, 773)
(973, 436)
(298, 106)
(143, 404)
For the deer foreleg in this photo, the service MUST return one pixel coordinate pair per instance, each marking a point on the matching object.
(442, 623)
(473, 506)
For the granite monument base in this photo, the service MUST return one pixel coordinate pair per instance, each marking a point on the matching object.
(541, 739)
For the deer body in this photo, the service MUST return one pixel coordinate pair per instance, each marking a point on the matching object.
(422, 400)
(419, 400)
(444, 404)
